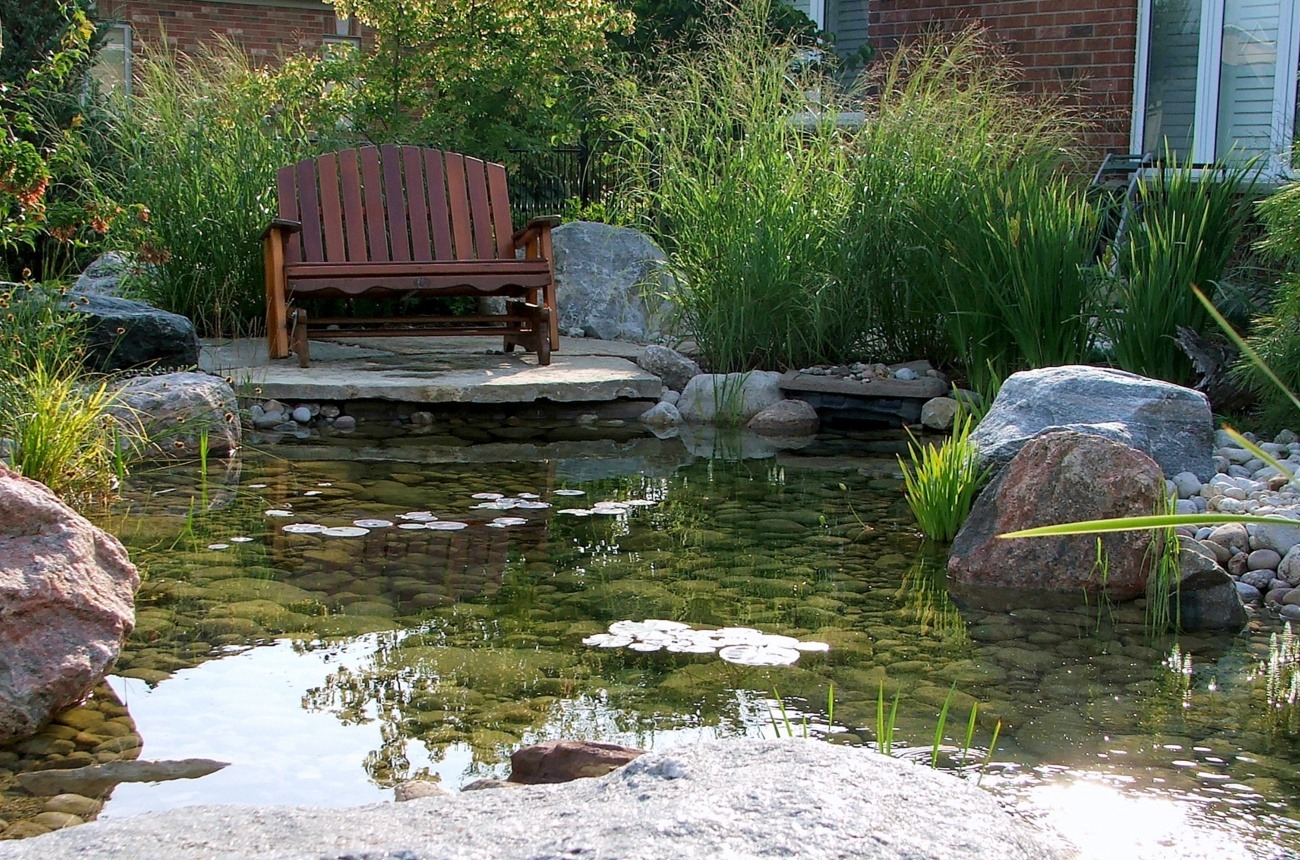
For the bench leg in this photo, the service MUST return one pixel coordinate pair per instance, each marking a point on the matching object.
(277, 328)
(300, 343)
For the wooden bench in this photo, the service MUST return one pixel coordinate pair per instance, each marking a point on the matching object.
(405, 221)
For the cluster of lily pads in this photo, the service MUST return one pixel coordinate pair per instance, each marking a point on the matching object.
(415, 520)
(744, 646)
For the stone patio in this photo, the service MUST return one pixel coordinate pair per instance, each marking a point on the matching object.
(434, 370)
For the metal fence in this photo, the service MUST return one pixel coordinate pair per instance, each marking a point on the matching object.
(546, 182)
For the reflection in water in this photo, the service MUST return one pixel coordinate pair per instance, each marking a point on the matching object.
(417, 652)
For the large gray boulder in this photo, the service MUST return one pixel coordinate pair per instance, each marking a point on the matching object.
(173, 413)
(721, 799)
(1170, 423)
(1059, 477)
(673, 368)
(104, 276)
(123, 334)
(66, 604)
(608, 281)
(729, 398)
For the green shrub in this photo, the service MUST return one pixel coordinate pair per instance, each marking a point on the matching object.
(1277, 332)
(200, 141)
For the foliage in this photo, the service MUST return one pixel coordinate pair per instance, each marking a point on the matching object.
(802, 239)
(949, 135)
(749, 203)
(480, 77)
(684, 23)
(941, 481)
(200, 141)
(1277, 333)
(43, 140)
(1183, 234)
(1016, 261)
(56, 420)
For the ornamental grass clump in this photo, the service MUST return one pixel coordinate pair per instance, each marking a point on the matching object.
(199, 142)
(1183, 234)
(54, 417)
(940, 482)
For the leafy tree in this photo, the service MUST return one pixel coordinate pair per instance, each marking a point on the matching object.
(683, 23)
(46, 52)
(482, 76)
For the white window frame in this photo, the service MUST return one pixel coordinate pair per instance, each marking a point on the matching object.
(128, 49)
(1205, 123)
(817, 12)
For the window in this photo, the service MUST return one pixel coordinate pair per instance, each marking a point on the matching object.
(112, 69)
(1216, 79)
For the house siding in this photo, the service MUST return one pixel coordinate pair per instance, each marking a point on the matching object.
(1082, 48)
(265, 29)
(847, 19)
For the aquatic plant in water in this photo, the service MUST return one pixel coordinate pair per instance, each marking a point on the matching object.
(941, 481)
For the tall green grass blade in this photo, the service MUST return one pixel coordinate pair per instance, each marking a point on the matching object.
(993, 745)
(1155, 521)
(1246, 349)
(970, 731)
(941, 725)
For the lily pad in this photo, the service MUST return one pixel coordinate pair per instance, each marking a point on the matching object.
(279, 512)
(491, 497)
(346, 532)
(570, 492)
(446, 526)
(373, 524)
(758, 655)
(304, 528)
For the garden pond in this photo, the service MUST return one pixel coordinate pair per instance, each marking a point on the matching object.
(330, 666)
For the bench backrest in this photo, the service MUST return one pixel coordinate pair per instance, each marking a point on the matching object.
(396, 204)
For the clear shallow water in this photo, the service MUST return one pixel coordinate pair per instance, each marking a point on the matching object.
(328, 669)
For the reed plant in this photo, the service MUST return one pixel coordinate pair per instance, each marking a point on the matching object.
(61, 432)
(748, 201)
(940, 482)
(949, 136)
(199, 142)
(1184, 233)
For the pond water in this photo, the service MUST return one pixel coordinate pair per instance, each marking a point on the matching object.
(329, 668)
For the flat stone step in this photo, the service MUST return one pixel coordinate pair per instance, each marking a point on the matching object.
(434, 370)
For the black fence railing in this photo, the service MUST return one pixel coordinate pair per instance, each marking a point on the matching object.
(545, 182)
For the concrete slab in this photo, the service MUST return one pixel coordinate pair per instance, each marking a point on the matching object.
(434, 370)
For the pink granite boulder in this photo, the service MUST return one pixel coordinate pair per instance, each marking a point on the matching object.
(565, 761)
(66, 604)
(1059, 477)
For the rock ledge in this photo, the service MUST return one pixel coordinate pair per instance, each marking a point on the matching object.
(805, 799)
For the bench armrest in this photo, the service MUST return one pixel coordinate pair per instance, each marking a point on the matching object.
(533, 228)
(282, 224)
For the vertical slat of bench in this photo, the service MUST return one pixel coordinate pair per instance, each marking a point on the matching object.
(331, 210)
(480, 212)
(353, 221)
(286, 189)
(399, 220)
(313, 250)
(435, 175)
(373, 195)
(458, 207)
(417, 202)
(500, 197)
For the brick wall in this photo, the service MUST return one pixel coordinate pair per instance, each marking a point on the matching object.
(265, 30)
(1085, 48)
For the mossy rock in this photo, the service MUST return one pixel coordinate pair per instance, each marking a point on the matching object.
(243, 627)
(245, 589)
(346, 625)
(634, 599)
